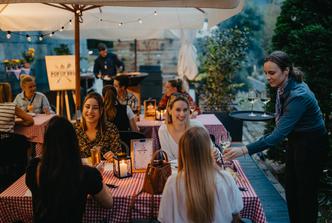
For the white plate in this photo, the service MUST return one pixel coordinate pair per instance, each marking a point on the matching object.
(32, 114)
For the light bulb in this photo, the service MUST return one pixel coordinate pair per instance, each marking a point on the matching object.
(28, 38)
(41, 38)
(121, 24)
(70, 23)
(140, 21)
(155, 13)
(8, 35)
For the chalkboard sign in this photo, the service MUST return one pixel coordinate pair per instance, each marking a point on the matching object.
(61, 72)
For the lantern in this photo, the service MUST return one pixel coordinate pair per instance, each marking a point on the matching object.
(122, 165)
(160, 114)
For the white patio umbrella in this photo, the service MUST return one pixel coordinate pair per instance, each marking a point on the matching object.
(97, 19)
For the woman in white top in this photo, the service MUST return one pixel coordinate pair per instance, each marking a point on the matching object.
(200, 192)
(177, 121)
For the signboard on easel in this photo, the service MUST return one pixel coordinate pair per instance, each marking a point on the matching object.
(61, 72)
(61, 78)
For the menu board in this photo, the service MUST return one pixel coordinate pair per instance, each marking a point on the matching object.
(61, 72)
(141, 151)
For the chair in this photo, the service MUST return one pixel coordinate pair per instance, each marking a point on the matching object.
(126, 136)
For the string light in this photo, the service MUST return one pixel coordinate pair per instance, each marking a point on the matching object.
(70, 23)
(40, 37)
(8, 35)
(28, 38)
(122, 23)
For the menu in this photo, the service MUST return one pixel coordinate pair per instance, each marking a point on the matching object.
(141, 154)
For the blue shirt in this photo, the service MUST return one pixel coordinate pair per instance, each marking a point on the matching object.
(39, 102)
(300, 113)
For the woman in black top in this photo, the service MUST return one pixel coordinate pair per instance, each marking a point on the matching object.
(58, 181)
(117, 113)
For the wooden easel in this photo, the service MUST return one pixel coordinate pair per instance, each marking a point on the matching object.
(62, 100)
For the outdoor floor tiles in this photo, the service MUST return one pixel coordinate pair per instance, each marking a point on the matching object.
(274, 205)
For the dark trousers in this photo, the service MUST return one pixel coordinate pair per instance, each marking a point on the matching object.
(306, 157)
(13, 158)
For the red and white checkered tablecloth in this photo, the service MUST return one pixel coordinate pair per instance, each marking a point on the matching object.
(35, 133)
(16, 203)
(150, 127)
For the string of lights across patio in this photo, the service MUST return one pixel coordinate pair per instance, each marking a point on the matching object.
(41, 37)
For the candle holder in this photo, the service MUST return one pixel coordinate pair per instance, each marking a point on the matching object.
(160, 114)
(122, 165)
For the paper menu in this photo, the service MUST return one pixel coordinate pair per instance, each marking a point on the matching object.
(141, 153)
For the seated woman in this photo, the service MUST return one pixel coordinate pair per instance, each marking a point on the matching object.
(125, 97)
(121, 115)
(177, 121)
(29, 100)
(176, 86)
(200, 192)
(94, 130)
(14, 148)
(58, 181)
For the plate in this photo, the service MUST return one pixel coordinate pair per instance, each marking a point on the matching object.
(32, 114)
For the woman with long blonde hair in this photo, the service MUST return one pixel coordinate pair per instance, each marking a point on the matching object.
(177, 121)
(200, 192)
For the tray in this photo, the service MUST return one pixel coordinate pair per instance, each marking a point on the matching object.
(244, 115)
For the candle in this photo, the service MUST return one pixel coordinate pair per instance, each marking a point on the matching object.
(123, 168)
(162, 114)
(158, 115)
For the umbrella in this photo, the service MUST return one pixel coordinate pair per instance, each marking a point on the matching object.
(98, 18)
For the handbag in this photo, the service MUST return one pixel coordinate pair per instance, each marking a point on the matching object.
(156, 175)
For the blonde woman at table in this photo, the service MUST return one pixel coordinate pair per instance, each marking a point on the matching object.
(121, 115)
(201, 191)
(29, 99)
(177, 121)
(58, 181)
(14, 148)
(94, 130)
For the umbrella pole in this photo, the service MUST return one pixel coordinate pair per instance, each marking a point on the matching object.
(77, 63)
(135, 54)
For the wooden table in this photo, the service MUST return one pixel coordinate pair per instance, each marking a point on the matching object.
(16, 201)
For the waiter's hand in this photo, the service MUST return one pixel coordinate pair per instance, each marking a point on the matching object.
(234, 152)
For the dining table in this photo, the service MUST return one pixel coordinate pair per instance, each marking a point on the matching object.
(16, 201)
(35, 132)
(150, 126)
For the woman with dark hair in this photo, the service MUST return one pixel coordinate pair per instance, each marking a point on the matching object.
(121, 115)
(176, 86)
(94, 130)
(124, 96)
(58, 181)
(298, 118)
(200, 192)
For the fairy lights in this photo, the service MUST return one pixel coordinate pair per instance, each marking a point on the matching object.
(29, 37)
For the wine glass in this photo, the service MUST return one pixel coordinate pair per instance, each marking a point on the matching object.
(225, 141)
(265, 98)
(252, 97)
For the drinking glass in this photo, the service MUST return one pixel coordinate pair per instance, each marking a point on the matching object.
(265, 98)
(252, 97)
(225, 141)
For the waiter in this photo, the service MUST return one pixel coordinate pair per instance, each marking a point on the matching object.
(106, 65)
